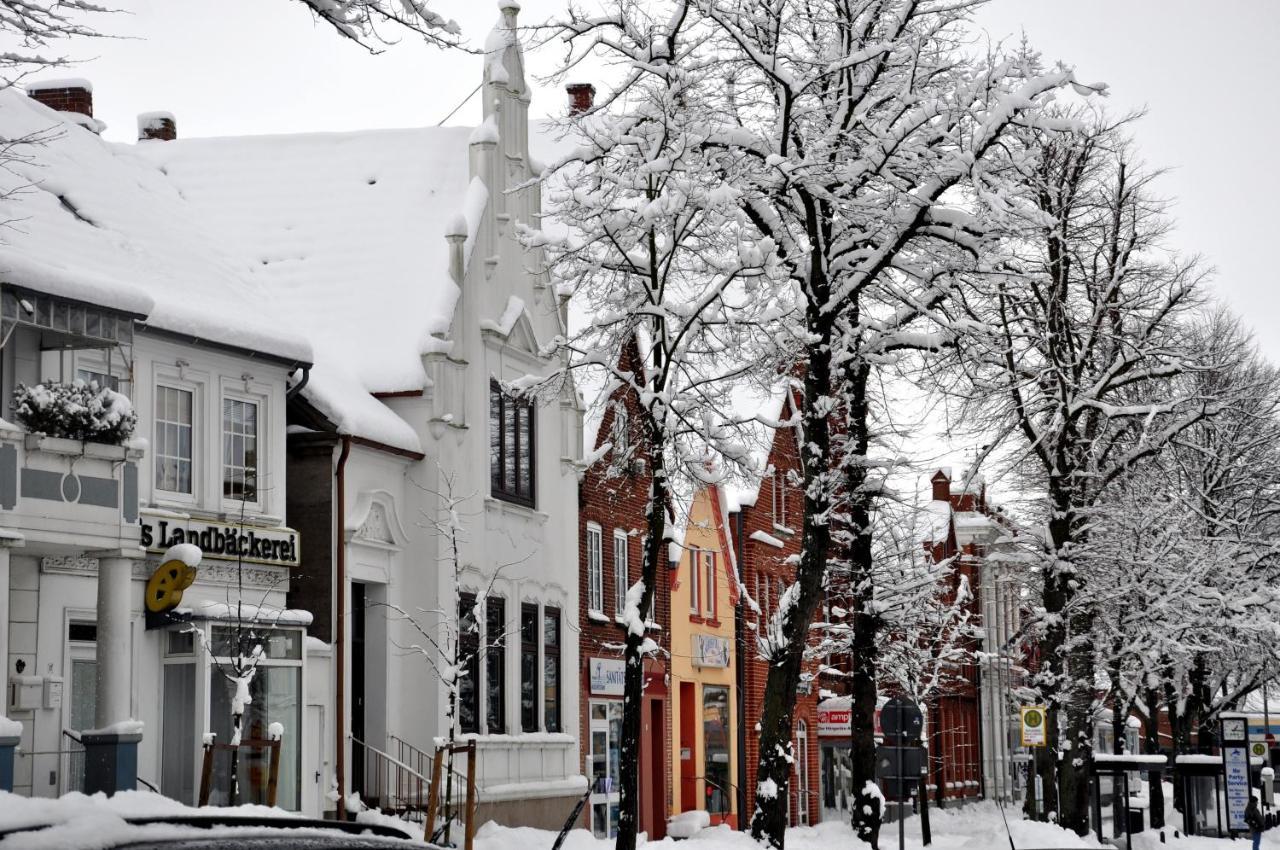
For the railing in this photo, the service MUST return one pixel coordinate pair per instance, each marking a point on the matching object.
(417, 760)
(72, 778)
(389, 783)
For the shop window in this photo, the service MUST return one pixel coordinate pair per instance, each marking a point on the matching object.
(620, 568)
(551, 669)
(715, 737)
(239, 450)
(276, 693)
(529, 668)
(496, 665)
(511, 436)
(469, 662)
(595, 569)
(604, 758)
(174, 436)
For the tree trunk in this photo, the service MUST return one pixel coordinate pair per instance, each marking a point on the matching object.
(769, 822)
(1118, 712)
(633, 677)
(866, 623)
(1151, 746)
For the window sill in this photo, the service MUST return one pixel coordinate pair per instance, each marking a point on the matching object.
(517, 508)
(597, 616)
(696, 618)
(785, 531)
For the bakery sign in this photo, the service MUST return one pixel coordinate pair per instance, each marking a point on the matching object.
(710, 651)
(250, 544)
(834, 722)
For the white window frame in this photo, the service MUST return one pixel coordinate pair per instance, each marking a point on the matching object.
(171, 380)
(711, 585)
(253, 393)
(779, 507)
(595, 569)
(695, 580)
(621, 571)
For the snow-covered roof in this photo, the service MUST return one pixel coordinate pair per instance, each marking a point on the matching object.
(345, 229)
(93, 222)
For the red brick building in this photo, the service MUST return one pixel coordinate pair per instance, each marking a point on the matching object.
(765, 532)
(613, 497)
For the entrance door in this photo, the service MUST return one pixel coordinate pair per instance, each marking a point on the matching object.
(357, 691)
(653, 796)
(802, 773)
(83, 702)
(604, 761)
(688, 749)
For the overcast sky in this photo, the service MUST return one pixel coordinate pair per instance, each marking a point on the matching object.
(1204, 71)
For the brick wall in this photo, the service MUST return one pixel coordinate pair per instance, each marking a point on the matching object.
(617, 499)
(68, 99)
(759, 562)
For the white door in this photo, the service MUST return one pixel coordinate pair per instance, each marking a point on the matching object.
(603, 761)
(802, 773)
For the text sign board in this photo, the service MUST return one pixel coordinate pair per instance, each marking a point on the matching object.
(1235, 761)
(710, 651)
(1034, 726)
(251, 544)
(834, 722)
(608, 676)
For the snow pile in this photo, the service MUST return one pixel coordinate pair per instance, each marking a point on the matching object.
(187, 553)
(688, 824)
(976, 827)
(9, 728)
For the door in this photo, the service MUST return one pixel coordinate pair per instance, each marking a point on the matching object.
(802, 773)
(604, 761)
(80, 712)
(688, 749)
(313, 803)
(357, 691)
(653, 794)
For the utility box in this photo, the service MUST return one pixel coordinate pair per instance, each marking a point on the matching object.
(52, 696)
(26, 693)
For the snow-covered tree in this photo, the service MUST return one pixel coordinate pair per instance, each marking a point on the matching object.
(843, 127)
(376, 23)
(647, 239)
(1078, 335)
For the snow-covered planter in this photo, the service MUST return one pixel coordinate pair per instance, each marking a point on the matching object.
(75, 411)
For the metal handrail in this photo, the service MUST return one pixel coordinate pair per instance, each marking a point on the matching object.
(390, 783)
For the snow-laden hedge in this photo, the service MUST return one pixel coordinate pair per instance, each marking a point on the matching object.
(76, 411)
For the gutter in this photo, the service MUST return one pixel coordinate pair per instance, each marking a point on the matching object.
(297, 388)
(340, 636)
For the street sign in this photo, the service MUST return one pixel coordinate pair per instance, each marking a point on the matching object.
(901, 718)
(893, 762)
(1034, 726)
(1235, 769)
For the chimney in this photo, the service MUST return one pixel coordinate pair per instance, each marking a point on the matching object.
(71, 95)
(582, 96)
(941, 486)
(158, 126)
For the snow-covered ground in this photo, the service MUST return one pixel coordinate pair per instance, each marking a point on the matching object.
(99, 822)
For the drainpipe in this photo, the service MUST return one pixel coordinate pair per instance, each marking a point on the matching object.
(340, 636)
(739, 634)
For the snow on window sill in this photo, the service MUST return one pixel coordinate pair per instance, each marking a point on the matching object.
(597, 616)
(783, 529)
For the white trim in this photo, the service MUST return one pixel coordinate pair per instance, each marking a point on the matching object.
(595, 569)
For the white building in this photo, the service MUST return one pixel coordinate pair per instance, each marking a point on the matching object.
(106, 280)
(389, 260)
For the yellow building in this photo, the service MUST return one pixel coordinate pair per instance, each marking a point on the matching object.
(704, 696)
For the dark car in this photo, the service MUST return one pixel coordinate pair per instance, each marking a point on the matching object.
(217, 832)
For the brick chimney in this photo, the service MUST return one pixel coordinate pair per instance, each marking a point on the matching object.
(158, 126)
(582, 96)
(73, 95)
(941, 486)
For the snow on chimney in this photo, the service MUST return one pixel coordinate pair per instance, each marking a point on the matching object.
(582, 96)
(70, 95)
(159, 126)
(941, 481)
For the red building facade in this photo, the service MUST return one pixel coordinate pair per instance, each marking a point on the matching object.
(765, 531)
(613, 497)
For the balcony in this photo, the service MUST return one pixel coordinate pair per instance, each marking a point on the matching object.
(68, 494)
